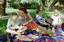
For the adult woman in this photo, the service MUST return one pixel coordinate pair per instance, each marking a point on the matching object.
(28, 21)
(26, 18)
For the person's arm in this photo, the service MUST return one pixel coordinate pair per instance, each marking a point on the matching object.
(59, 19)
(39, 19)
(42, 19)
(52, 17)
(9, 23)
(22, 30)
(29, 20)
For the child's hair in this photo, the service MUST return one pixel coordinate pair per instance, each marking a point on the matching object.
(23, 8)
(38, 11)
(14, 14)
(56, 11)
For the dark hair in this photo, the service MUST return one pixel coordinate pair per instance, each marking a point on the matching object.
(38, 11)
(23, 8)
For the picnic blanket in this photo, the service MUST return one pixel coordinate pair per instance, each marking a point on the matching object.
(43, 37)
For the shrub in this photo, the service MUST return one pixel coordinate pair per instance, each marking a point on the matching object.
(14, 5)
(32, 5)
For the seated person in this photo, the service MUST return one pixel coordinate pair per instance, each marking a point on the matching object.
(14, 25)
(62, 26)
(39, 20)
(56, 19)
(63, 20)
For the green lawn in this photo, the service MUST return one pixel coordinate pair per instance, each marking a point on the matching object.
(3, 22)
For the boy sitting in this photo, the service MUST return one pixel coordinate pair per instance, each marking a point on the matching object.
(39, 20)
(13, 25)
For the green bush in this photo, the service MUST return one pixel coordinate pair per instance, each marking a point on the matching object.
(14, 5)
(32, 5)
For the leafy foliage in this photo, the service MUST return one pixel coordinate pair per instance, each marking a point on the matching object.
(14, 5)
(3, 23)
(32, 5)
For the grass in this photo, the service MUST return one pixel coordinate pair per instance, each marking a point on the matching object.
(3, 22)
(11, 10)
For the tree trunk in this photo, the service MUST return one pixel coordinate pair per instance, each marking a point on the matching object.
(53, 3)
(43, 5)
(48, 5)
(2, 7)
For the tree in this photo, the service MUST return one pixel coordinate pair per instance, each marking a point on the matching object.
(2, 7)
(61, 2)
(48, 4)
(19, 1)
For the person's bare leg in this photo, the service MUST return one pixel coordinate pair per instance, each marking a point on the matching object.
(42, 29)
(11, 31)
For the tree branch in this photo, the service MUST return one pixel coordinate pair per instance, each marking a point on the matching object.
(43, 3)
(53, 3)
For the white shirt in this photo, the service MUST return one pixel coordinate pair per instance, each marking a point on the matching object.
(12, 23)
(56, 19)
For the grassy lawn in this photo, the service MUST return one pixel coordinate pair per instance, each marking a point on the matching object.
(3, 22)
(11, 10)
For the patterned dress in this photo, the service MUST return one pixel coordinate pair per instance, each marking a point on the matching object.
(32, 25)
(56, 20)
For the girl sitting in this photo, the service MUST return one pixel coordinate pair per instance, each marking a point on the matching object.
(56, 19)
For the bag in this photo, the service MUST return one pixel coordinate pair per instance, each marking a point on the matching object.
(48, 20)
(4, 37)
(62, 26)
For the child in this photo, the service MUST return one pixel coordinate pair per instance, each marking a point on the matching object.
(39, 19)
(56, 18)
(13, 25)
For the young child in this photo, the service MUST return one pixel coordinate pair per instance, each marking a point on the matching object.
(56, 19)
(13, 25)
(39, 19)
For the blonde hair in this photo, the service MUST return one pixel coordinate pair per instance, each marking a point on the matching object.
(56, 12)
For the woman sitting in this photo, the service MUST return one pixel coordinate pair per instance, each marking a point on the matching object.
(28, 21)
